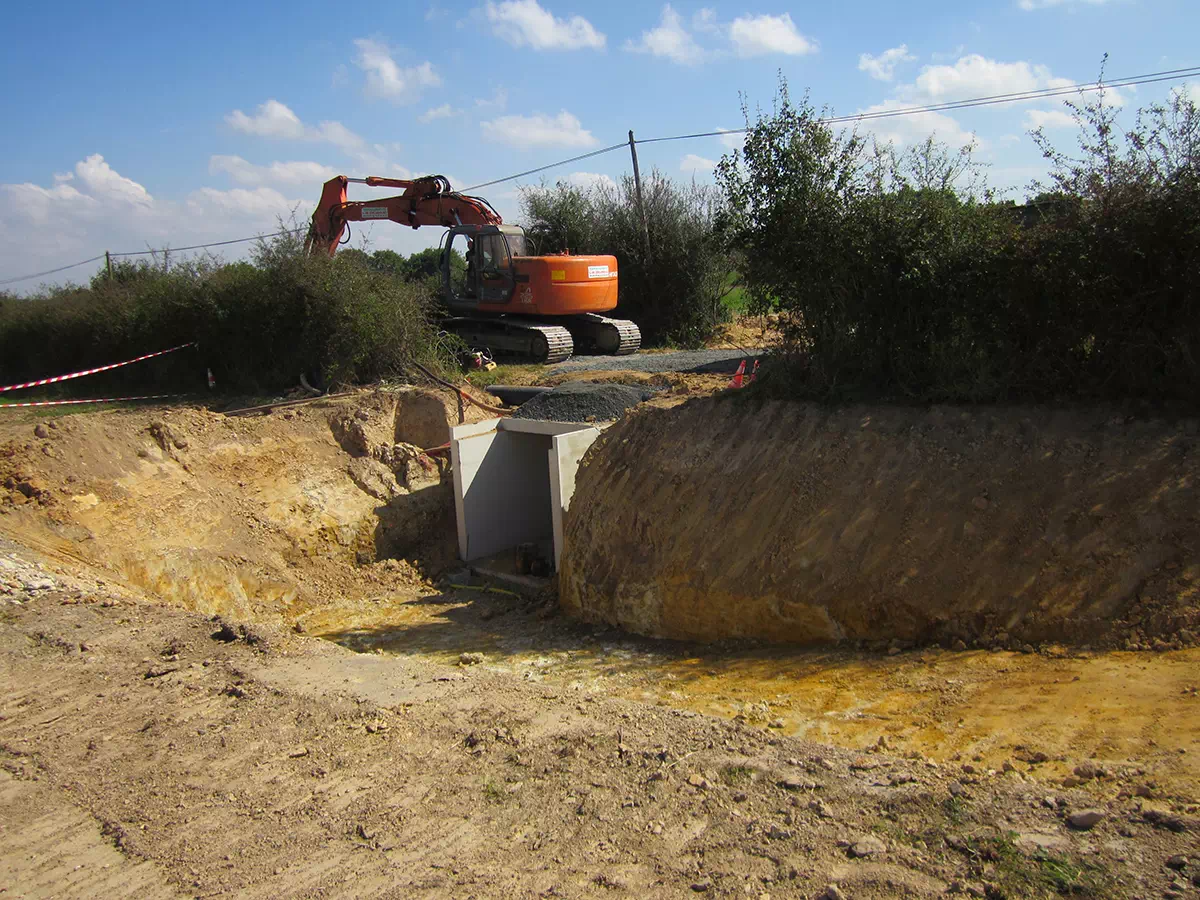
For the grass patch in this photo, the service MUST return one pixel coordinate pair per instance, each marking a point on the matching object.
(735, 775)
(493, 792)
(506, 374)
(1042, 875)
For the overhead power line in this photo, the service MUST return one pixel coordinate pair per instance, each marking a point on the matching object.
(51, 271)
(995, 99)
(553, 165)
(257, 237)
(84, 262)
(1016, 97)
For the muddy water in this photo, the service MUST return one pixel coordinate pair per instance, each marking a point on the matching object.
(985, 707)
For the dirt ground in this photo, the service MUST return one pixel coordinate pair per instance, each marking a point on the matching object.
(791, 522)
(352, 725)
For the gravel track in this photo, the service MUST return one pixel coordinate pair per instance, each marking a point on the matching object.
(717, 361)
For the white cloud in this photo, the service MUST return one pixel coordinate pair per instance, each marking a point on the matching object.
(693, 163)
(498, 100)
(277, 121)
(563, 130)
(883, 66)
(588, 180)
(297, 172)
(977, 76)
(81, 213)
(445, 111)
(1048, 118)
(670, 39)
(101, 180)
(705, 20)
(272, 120)
(760, 35)
(260, 203)
(524, 23)
(388, 79)
(1046, 4)
(732, 140)
(913, 128)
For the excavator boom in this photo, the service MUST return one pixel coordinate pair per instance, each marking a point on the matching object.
(425, 201)
(536, 307)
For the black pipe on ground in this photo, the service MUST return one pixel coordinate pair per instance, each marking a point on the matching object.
(515, 395)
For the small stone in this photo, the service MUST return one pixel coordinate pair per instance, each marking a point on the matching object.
(958, 646)
(980, 503)
(1033, 843)
(470, 659)
(893, 650)
(793, 783)
(1050, 803)
(820, 808)
(701, 887)
(297, 752)
(775, 723)
(740, 797)
(956, 789)
(1178, 862)
(833, 892)
(1085, 819)
(699, 781)
(1086, 770)
(868, 846)
(41, 431)
(777, 833)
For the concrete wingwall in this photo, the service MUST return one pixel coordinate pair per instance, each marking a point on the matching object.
(795, 523)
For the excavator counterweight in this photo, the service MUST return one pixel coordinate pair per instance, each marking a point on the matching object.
(540, 308)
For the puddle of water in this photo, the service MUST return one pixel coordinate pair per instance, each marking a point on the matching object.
(1116, 708)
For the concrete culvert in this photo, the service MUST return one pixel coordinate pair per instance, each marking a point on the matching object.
(793, 523)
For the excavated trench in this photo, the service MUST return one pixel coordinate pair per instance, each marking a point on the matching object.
(326, 518)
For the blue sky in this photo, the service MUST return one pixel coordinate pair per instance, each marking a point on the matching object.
(134, 125)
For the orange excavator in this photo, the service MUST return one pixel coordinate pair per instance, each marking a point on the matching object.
(540, 308)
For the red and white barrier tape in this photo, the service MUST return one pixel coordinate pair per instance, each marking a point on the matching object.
(74, 402)
(58, 378)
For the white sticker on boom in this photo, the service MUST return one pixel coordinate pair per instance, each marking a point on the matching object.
(374, 212)
(597, 271)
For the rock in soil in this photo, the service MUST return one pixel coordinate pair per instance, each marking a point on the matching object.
(1086, 819)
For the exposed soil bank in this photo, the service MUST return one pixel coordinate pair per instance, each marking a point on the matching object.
(264, 517)
(794, 523)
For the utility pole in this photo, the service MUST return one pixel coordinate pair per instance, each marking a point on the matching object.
(108, 264)
(637, 183)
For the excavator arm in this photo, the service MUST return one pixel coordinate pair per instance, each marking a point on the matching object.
(425, 201)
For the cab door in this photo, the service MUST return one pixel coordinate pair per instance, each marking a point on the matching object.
(497, 277)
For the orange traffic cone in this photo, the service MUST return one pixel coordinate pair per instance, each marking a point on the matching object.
(738, 375)
(754, 372)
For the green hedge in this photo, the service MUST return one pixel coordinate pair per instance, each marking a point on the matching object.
(901, 278)
(260, 324)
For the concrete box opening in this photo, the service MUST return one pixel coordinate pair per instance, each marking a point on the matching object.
(513, 483)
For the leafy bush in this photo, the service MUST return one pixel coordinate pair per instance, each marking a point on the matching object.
(900, 277)
(676, 294)
(260, 324)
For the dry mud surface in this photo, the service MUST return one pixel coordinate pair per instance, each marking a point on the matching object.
(455, 742)
(789, 522)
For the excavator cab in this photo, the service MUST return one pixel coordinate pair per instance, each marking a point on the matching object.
(491, 274)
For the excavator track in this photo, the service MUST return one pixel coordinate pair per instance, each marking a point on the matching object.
(600, 334)
(536, 342)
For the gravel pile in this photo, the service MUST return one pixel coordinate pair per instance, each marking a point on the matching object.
(580, 401)
(718, 361)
